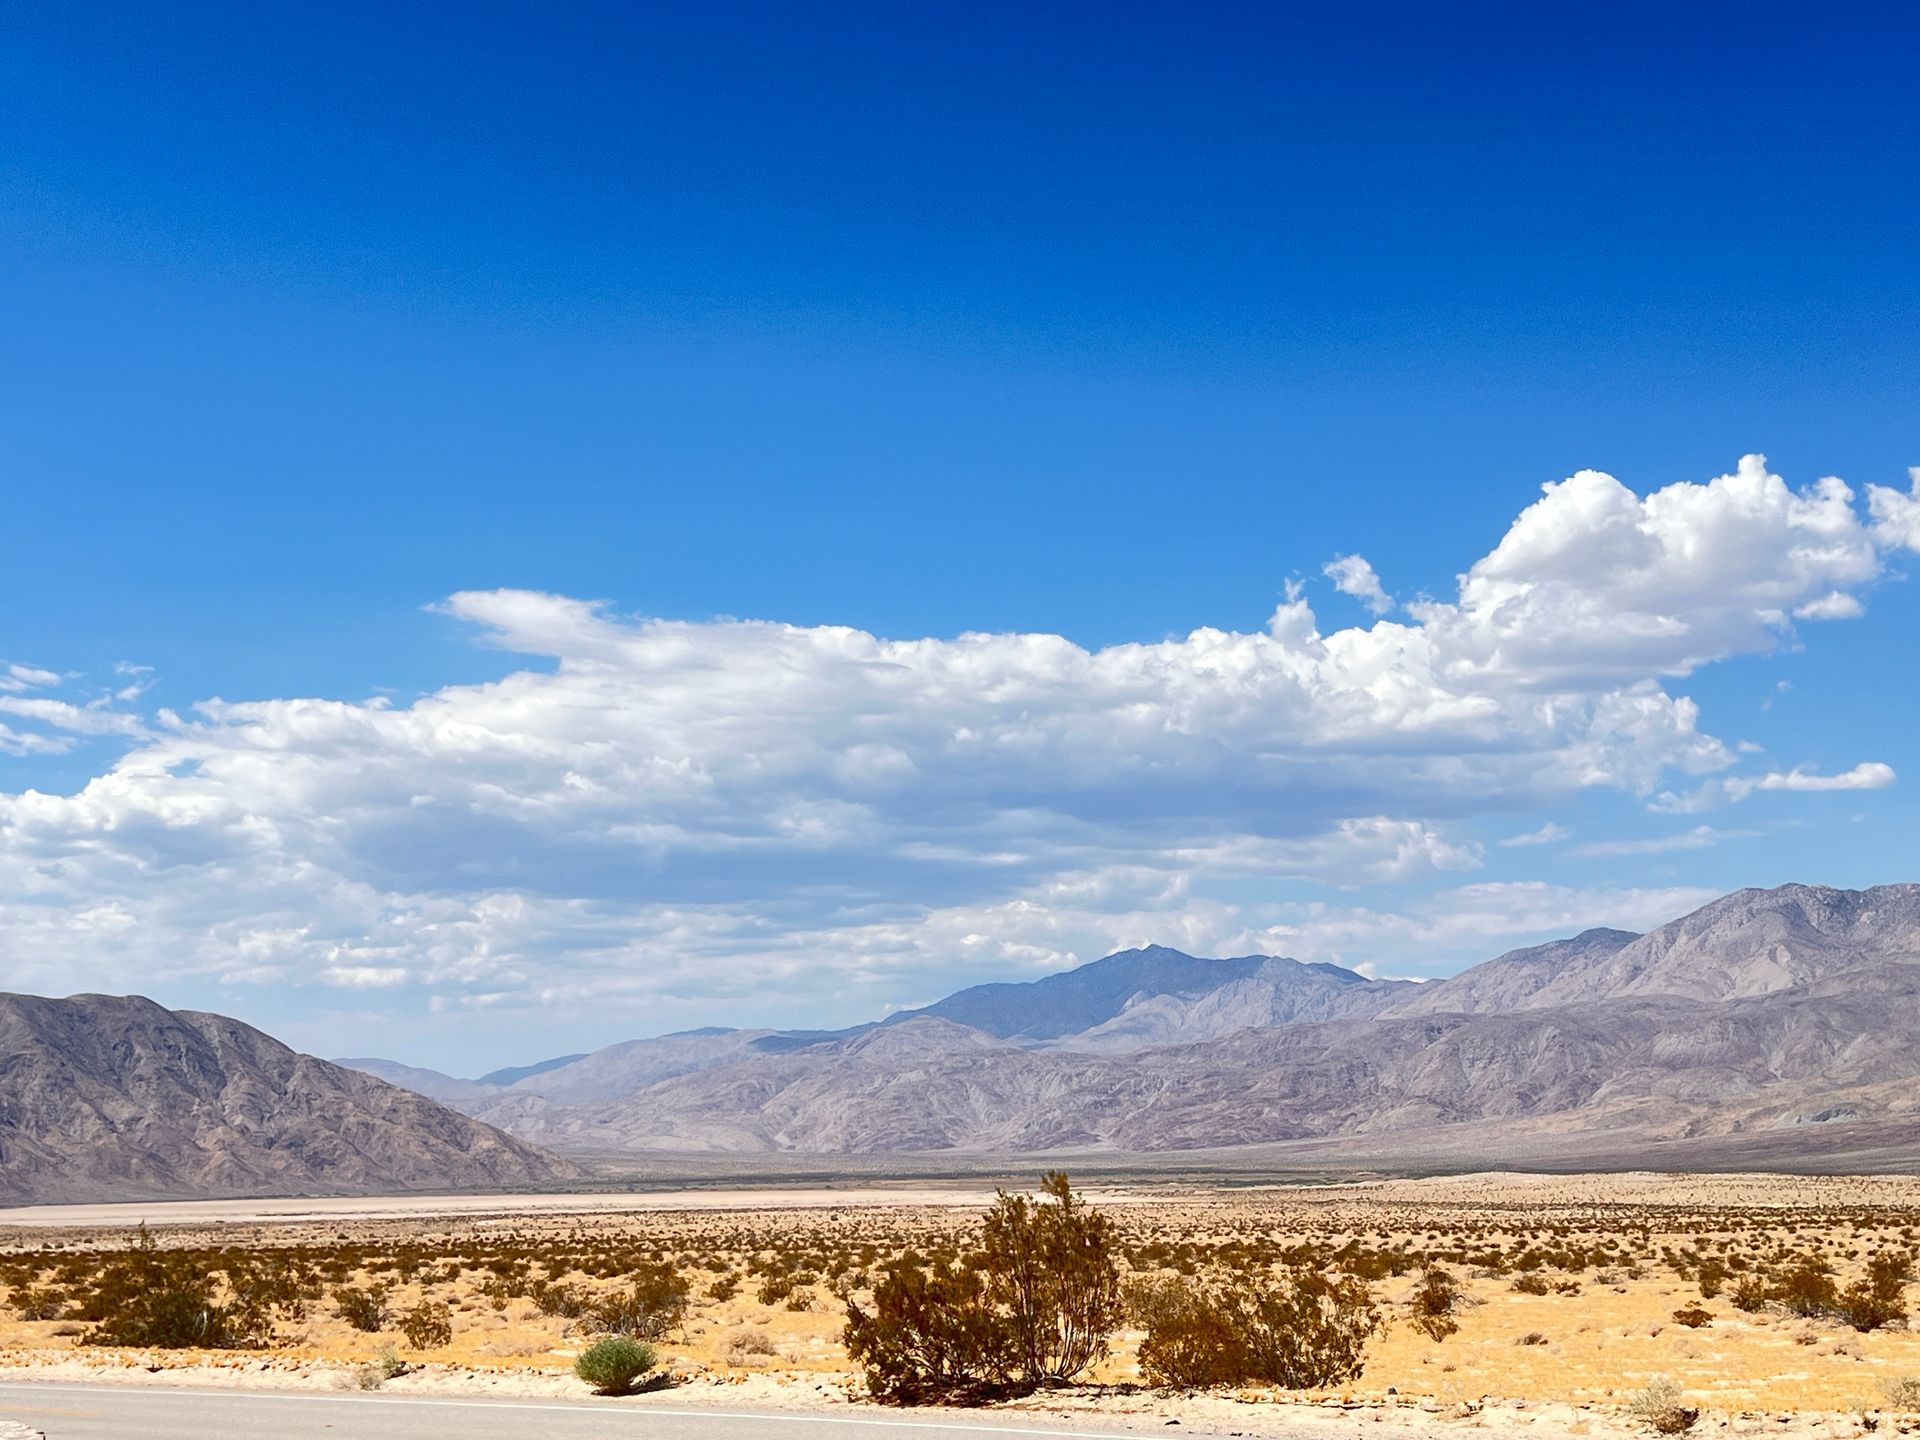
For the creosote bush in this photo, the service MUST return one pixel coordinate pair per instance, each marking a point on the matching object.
(427, 1326)
(612, 1365)
(1299, 1331)
(363, 1309)
(1433, 1304)
(653, 1305)
(1033, 1304)
(148, 1296)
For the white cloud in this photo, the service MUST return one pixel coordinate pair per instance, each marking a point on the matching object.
(666, 810)
(1548, 834)
(1896, 517)
(1834, 605)
(16, 678)
(1700, 837)
(1352, 575)
(1868, 775)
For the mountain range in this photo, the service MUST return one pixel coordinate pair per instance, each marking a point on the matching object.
(1792, 1012)
(107, 1097)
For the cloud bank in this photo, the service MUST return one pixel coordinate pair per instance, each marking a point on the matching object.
(656, 811)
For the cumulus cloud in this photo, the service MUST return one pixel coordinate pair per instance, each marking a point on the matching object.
(665, 809)
(1352, 575)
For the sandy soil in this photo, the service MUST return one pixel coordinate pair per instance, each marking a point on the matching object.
(1558, 1363)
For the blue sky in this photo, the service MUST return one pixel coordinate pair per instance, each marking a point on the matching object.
(1109, 324)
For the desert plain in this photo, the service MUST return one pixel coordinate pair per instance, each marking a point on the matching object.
(1575, 1293)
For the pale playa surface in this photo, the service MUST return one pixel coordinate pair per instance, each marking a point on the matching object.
(411, 1207)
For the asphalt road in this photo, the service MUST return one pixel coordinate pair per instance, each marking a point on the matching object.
(134, 1412)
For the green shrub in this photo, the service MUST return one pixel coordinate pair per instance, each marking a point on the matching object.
(364, 1309)
(1807, 1290)
(1300, 1331)
(611, 1365)
(149, 1297)
(1035, 1304)
(653, 1305)
(931, 1334)
(427, 1326)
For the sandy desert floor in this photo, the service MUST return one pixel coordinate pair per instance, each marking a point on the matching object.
(1617, 1256)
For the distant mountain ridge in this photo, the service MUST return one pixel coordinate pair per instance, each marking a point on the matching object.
(106, 1097)
(1794, 1009)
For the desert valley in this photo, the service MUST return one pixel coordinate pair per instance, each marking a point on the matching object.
(1232, 1118)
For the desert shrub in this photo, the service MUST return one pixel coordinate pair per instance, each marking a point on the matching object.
(775, 1289)
(1866, 1308)
(1053, 1272)
(1532, 1337)
(386, 1365)
(932, 1333)
(1533, 1284)
(1807, 1290)
(365, 1309)
(1902, 1391)
(1659, 1407)
(565, 1301)
(149, 1297)
(1694, 1317)
(611, 1365)
(427, 1326)
(654, 1304)
(1749, 1293)
(1298, 1331)
(724, 1287)
(1712, 1275)
(1433, 1304)
(1035, 1304)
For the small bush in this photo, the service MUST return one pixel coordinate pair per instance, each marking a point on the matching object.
(427, 1326)
(386, 1365)
(364, 1309)
(1712, 1275)
(1433, 1304)
(149, 1297)
(1694, 1317)
(1533, 1285)
(652, 1306)
(1532, 1337)
(931, 1334)
(1659, 1407)
(1865, 1308)
(1807, 1290)
(1749, 1294)
(1298, 1332)
(612, 1365)
(1902, 1392)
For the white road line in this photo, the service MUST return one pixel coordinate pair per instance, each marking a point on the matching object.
(765, 1417)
